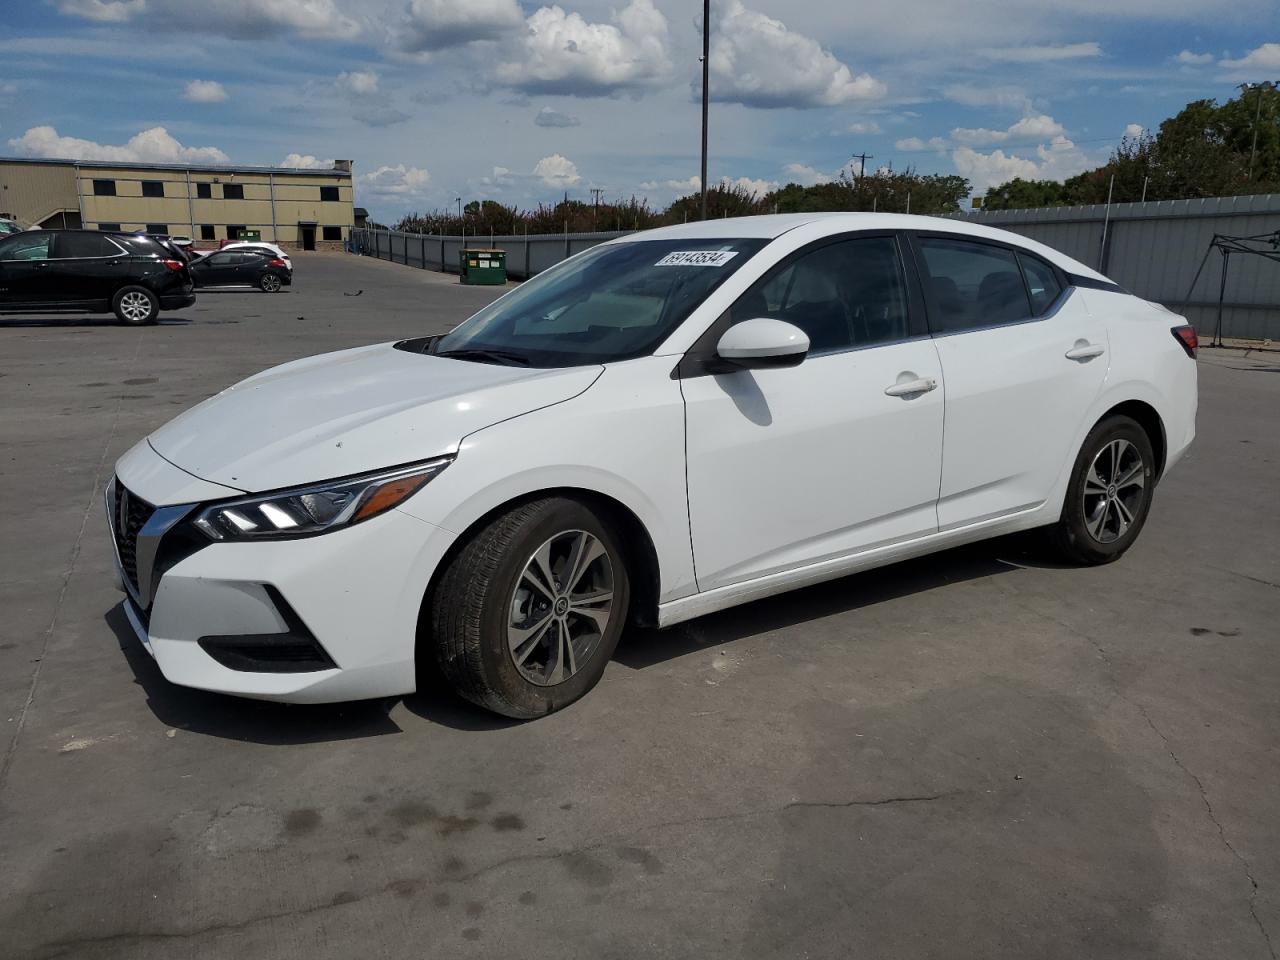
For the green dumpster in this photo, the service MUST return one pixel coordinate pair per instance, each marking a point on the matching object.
(483, 266)
(254, 235)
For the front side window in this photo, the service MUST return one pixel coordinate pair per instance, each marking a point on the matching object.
(847, 294)
(74, 246)
(153, 188)
(614, 302)
(973, 285)
(104, 188)
(26, 247)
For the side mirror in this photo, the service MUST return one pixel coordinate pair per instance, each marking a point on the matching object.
(762, 342)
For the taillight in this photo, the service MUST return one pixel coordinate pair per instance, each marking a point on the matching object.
(276, 262)
(174, 265)
(1186, 336)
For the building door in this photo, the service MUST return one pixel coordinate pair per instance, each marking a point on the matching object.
(308, 237)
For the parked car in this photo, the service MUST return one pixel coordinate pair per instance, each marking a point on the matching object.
(259, 245)
(10, 226)
(88, 271)
(241, 268)
(665, 425)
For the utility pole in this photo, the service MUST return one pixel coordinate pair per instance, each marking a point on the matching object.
(1257, 116)
(595, 213)
(862, 159)
(706, 102)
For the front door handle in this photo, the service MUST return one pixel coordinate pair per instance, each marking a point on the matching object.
(911, 388)
(1084, 350)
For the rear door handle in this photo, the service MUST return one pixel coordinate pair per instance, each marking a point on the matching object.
(1083, 350)
(911, 388)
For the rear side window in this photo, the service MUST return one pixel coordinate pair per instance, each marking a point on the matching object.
(843, 295)
(1042, 283)
(972, 285)
(81, 245)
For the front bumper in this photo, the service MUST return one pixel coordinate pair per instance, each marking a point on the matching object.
(317, 619)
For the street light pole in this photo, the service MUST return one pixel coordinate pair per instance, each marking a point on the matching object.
(706, 76)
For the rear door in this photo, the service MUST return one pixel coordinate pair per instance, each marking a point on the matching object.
(793, 466)
(89, 267)
(1023, 360)
(24, 270)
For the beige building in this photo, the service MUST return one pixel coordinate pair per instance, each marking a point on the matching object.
(298, 209)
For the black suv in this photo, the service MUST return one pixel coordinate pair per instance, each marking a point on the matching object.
(90, 271)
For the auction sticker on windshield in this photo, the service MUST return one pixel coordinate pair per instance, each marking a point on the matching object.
(697, 258)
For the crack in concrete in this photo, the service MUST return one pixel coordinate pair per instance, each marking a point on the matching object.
(1244, 576)
(94, 493)
(1204, 797)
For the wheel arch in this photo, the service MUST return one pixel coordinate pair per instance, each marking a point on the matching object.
(637, 543)
(1151, 422)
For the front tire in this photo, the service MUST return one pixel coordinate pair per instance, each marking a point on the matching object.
(526, 616)
(1109, 494)
(135, 306)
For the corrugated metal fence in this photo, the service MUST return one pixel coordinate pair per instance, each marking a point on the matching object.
(1152, 249)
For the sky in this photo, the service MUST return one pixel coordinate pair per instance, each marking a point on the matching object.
(520, 102)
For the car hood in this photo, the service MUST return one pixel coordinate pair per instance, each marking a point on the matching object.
(350, 412)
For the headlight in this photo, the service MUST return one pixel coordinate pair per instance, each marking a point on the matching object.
(307, 511)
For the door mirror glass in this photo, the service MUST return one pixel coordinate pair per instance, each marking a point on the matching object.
(763, 342)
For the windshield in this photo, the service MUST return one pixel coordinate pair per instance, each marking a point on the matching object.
(613, 302)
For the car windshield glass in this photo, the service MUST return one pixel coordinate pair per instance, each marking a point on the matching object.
(613, 302)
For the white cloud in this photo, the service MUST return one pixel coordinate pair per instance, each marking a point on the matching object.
(866, 127)
(235, 18)
(758, 188)
(691, 185)
(397, 181)
(562, 53)
(358, 83)
(1043, 54)
(1039, 127)
(546, 117)
(437, 24)
(102, 11)
(205, 91)
(758, 62)
(1263, 59)
(155, 145)
(306, 161)
(805, 175)
(557, 171)
(916, 145)
(974, 95)
(1134, 130)
(501, 178)
(1057, 160)
(1194, 59)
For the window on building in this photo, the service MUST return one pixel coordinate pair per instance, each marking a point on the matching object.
(974, 285)
(332, 233)
(104, 188)
(207, 232)
(204, 191)
(153, 188)
(329, 194)
(233, 191)
(234, 230)
(109, 227)
(157, 228)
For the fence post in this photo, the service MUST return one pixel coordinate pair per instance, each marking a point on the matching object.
(424, 251)
(442, 253)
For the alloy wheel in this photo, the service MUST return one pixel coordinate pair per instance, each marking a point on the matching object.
(560, 607)
(270, 283)
(135, 306)
(1113, 491)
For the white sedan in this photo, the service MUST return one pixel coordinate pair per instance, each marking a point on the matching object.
(668, 424)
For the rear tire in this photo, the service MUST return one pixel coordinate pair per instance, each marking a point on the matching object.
(135, 306)
(521, 642)
(1108, 496)
(269, 283)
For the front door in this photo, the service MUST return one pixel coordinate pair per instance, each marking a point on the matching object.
(841, 454)
(1023, 360)
(25, 279)
(217, 269)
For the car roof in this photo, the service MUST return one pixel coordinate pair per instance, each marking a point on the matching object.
(772, 226)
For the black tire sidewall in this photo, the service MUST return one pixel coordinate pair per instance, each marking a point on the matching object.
(262, 283)
(1075, 538)
(524, 698)
(151, 297)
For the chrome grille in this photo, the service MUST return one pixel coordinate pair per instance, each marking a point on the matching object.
(128, 515)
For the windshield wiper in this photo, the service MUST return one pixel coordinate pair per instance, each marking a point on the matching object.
(487, 356)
